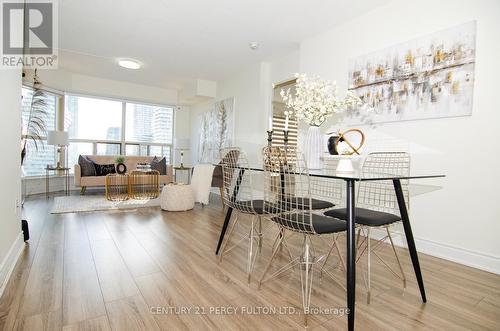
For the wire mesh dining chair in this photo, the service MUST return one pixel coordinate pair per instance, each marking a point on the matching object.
(377, 207)
(288, 200)
(237, 183)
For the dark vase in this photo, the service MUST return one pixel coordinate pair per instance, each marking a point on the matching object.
(332, 146)
(121, 168)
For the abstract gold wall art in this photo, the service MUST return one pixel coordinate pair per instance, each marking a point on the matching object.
(428, 77)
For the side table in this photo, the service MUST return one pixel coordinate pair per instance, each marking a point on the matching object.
(144, 184)
(65, 172)
(188, 169)
(117, 187)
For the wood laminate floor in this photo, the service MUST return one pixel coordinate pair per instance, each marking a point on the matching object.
(146, 269)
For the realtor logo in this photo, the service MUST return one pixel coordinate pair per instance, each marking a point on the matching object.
(29, 34)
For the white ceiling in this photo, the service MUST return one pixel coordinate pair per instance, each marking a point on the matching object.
(181, 40)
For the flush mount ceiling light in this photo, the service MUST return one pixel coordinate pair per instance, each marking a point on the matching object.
(129, 64)
(253, 45)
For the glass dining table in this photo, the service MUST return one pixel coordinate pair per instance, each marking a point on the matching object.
(351, 179)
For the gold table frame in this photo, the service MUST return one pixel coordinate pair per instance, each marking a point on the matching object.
(138, 185)
(117, 187)
(144, 185)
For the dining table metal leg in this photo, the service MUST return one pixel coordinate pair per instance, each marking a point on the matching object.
(224, 229)
(229, 210)
(351, 253)
(409, 236)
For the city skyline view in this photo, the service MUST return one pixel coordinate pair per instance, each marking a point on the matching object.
(92, 121)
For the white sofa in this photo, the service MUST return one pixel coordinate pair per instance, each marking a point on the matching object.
(130, 161)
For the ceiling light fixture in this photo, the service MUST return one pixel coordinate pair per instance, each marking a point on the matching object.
(129, 64)
(253, 45)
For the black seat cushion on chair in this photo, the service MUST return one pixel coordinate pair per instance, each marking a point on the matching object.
(303, 203)
(258, 206)
(366, 217)
(321, 224)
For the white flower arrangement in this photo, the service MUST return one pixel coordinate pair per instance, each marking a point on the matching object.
(316, 99)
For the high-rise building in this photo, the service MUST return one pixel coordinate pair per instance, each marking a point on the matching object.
(162, 125)
(143, 115)
(71, 116)
(38, 155)
(113, 133)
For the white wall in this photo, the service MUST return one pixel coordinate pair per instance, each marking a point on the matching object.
(252, 91)
(10, 176)
(462, 220)
(195, 116)
(66, 81)
(182, 130)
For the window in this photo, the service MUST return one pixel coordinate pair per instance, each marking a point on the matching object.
(108, 149)
(76, 149)
(152, 124)
(37, 159)
(279, 118)
(102, 127)
(113, 127)
(278, 129)
(93, 119)
(148, 130)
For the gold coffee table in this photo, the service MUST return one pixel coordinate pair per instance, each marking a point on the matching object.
(117, 187)
(144, 185)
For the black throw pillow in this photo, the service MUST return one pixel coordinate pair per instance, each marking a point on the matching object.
(87, 166)
(159, 165)
(104, 169)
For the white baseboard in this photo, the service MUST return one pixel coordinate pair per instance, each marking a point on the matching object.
(10, 260)
(445, 251)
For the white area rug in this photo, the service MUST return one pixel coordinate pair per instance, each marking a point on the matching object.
(76, 204)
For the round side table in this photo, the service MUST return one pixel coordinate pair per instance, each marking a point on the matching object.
(144, 185)
(117, 187)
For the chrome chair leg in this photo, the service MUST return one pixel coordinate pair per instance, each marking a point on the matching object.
(336, 246)
(338, 252)
(260, 234)
(285, 244)
(306, 275)
(228, 238)
(371, 249)
(276, 245)
(282, 243)
(357, 240)
(326, 257)
(397, 258)
(251, 254)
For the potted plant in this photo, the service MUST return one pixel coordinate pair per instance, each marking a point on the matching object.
(34, 126)
(121, 168)
(313, 101)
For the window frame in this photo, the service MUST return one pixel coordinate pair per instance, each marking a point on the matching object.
(60, 113)
(123, 142)
(43, 139)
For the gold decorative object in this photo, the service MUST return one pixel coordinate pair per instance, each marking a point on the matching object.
(342, 137)
(380, 71)
(409, 58)
(144, 185)
(439, 57)
(117, 187)
(449, 77)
